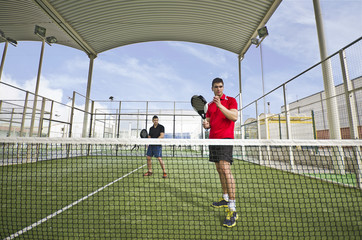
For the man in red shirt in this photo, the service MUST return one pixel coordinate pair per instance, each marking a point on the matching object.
(221, 116)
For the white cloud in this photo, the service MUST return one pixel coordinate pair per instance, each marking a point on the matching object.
(201, 52)
(65, 80)
(76, 64)
(145, 80)
(45, 89)
(293, 31)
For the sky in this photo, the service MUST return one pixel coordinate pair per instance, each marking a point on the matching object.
(174, 71)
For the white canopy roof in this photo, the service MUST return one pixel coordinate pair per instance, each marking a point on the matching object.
(101, 25)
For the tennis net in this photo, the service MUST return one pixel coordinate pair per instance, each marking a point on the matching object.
(57, 188)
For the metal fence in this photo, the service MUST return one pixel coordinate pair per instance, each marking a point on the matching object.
(297, 109)
(300, 107)
(105, 119)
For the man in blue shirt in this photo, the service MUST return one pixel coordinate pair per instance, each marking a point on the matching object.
(156, 131)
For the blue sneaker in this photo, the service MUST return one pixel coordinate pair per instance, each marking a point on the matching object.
(221, 203)
(231, 218)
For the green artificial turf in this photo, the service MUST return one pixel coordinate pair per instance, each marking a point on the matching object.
(348, 179)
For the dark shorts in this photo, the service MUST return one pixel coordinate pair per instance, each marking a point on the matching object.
(154, 151)
(218, 153)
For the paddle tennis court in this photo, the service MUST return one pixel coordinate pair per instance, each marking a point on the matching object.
(96, 190)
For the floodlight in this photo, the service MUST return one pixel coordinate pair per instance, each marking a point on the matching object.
(51, 39)
(7, 39)
(12, 41)
(40, 31)
(263, 32)
(255, 41)
(111, 98)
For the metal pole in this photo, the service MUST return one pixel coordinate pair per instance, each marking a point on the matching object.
(71, 116)
(174, 120)
(257, 119)
(11, 122)
(119, 118)
(24, 114)
(86, 106)
(146, 113)
(329, 88)
(286, 109)
(104, 126)
(262, 76)
(40, 128)
(138, 118)
(36, 90)
(91, 120)
(50, 117)
(3, 58)
(314, 127)
(280, 127)
(240, 100)
(350, 97)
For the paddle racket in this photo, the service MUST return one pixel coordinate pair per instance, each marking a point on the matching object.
(144, 133)
(199, 104)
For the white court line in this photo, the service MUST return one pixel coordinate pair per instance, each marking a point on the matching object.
(24, 230)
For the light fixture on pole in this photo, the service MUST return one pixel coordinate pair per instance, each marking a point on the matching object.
(7, 39)
(41, 33)
(262, 33)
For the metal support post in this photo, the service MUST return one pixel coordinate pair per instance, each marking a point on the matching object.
(87, 98)
(11, 122)
(40, 128)
(91, 120)
(50, 117)
(329, 88)
(3, 59)
(71, 116)
(288, 128)
(350, 97)
(24, 114)
(36, 90)
(119, 119)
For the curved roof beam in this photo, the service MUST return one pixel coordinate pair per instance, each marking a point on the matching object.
(59, 20)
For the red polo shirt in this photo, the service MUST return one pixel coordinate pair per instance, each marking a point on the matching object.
(221, 127)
